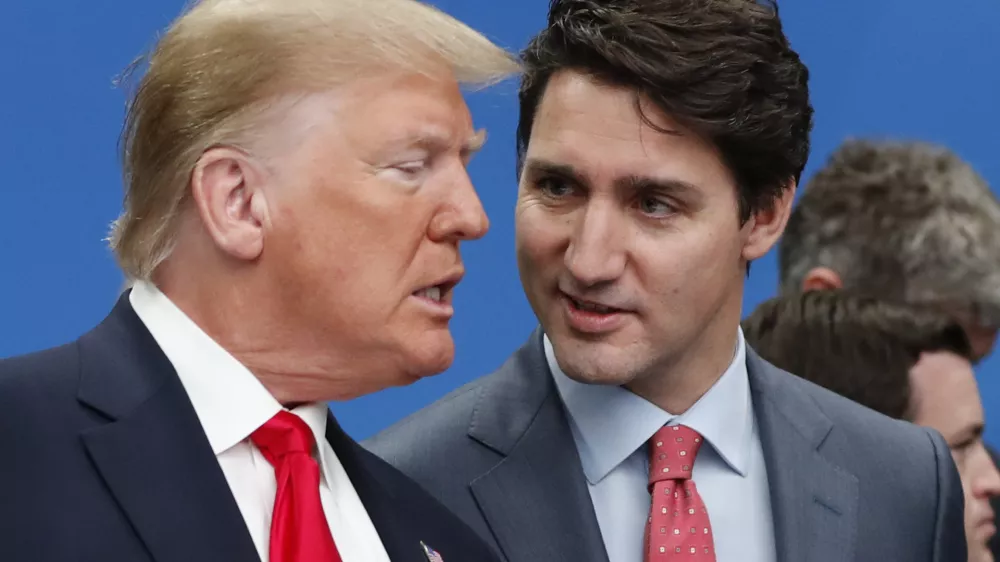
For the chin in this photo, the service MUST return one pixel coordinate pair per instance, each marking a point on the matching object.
(593, 363)
(429, 356)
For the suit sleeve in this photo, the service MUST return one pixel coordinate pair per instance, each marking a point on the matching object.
(949, 527)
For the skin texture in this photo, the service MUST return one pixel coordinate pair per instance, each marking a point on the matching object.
(944, 396)
(615, 213)
(302, 253)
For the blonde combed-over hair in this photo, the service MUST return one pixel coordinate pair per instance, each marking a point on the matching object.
(221, 64)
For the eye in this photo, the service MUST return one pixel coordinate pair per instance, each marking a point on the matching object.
(412, 169)
(554, 187)
(411, 172)
(654, 206)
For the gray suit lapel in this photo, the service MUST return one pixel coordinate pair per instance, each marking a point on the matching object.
(536, 500)
(814, 503)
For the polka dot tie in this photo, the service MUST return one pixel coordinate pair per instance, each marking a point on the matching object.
(678, 526)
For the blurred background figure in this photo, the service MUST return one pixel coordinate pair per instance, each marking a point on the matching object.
(905, 221)
(908, 221)
(906, 362)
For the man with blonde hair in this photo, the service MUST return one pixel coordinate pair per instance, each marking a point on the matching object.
(296, 192)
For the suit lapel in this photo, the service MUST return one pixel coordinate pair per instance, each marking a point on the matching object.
(813, 502)
(536, 500)
(154, 455)
(382, 500)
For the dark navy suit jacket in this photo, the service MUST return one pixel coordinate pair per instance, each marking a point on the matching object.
(102, 459)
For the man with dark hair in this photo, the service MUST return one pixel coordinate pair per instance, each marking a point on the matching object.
(905, 362)
(660, 142)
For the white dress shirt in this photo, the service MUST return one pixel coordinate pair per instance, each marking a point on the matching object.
(231, 404)
(611, 426)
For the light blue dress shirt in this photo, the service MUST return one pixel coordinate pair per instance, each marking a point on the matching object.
(611, 426)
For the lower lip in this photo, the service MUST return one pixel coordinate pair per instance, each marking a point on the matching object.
(988, 529)
(589, 322)
(437, 308)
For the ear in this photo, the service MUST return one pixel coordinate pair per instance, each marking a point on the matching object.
(822, 279)
(227, 187)
(766, 225)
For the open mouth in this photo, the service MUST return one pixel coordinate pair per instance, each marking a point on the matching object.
(434, 293)
(439, 293)
(592, 307)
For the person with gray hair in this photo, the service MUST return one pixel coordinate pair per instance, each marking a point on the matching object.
(296, 193)
(901, 221)
(905, 221)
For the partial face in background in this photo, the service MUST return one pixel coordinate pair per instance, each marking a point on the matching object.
(366, 223)
(944, 396)
(629, 243)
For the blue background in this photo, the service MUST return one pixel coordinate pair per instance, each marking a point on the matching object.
(906, 68)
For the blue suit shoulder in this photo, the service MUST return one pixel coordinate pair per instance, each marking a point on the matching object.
(418, 443)
(908, 467)
(857, 428)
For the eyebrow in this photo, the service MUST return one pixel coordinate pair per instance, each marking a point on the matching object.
(970, 434)
(631, 182)
(474, 143)
(433, 140)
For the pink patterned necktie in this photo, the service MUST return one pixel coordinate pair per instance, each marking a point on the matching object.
(678, 527)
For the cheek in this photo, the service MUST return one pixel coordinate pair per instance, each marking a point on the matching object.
(539, 239)
(693, 265)
(340, 251)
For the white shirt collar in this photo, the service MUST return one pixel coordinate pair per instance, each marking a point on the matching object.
(610, 423)
(229, 400)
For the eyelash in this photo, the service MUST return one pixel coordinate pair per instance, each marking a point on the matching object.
(548, 181)
(410, 170)
(545, 185)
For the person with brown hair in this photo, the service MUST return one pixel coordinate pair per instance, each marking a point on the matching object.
(660, 143)
(907, 362)
(296, 194)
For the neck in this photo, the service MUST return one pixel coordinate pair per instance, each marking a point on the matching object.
(296, 366)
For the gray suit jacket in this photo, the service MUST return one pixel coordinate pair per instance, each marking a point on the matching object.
(847, 484)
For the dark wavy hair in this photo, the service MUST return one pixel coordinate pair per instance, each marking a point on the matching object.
(722, 68)
(857, 346)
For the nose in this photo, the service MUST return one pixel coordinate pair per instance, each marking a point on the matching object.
(596, 251)
(462, 216)
(986, 482)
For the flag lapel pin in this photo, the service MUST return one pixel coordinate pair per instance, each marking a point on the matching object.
(432, 555)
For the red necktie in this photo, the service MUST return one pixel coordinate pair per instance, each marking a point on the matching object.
(299, 529)
(678, 526)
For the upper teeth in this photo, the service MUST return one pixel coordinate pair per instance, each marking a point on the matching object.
(433, 293)
(592, 306)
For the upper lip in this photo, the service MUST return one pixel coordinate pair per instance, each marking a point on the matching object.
(446, 283)
(593, 301)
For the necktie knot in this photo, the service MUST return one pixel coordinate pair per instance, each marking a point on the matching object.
(672, 451)
(281, 435)
(299, 528)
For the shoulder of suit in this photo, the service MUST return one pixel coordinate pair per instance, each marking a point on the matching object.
(438, 427)
(862, 425)
(51, 370)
